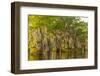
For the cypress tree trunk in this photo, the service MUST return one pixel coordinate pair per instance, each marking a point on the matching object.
(41, 56)
(49, 49)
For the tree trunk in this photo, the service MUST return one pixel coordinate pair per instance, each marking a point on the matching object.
(41, 56)
(49, 48)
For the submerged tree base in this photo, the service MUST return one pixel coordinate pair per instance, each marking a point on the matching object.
(55, 56)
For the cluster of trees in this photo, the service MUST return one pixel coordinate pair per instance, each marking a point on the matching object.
(57, 37)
